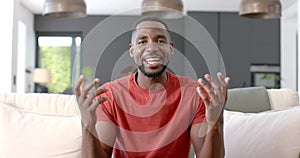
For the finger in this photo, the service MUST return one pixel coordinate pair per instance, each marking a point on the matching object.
(224, 81)
(215, 88)
(93, 95)
(89, 87)
(203, 96)
(77, 88)
(96, 103)
(206, 86)
(100, 91)
(227, 80)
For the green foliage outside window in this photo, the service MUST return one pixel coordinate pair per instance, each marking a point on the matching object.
(272, 78)
(57, 60)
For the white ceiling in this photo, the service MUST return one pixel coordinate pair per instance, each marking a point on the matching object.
(108, 7)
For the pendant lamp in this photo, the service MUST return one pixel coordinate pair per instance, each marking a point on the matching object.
(260, 9)
(64, 8)
(165, 9)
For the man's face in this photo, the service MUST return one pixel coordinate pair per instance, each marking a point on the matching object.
(151, 48)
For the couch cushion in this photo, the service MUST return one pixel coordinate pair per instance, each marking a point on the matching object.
(283, 98)
(31, 131)
(248, 100)
(272, 134)
(42, 103)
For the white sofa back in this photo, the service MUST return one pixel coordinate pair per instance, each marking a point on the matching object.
(39, 126)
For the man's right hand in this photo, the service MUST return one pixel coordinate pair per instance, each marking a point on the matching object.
(87, 102)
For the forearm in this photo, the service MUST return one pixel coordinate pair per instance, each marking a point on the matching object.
(91, 146)
(213, 145)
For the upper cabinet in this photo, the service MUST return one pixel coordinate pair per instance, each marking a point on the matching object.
(265, 41)
(242, 42)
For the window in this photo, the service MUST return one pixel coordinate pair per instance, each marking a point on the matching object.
(56, 53)
(265, 75)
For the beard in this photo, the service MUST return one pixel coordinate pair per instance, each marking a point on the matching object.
(152, 75)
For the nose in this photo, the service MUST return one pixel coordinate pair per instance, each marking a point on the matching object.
(152, 47)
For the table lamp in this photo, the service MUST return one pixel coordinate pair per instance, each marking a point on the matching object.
(41, 77)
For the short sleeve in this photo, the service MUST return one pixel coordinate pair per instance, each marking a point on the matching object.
(104, 111)
(200, 113)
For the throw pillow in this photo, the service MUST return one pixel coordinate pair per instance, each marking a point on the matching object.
(248, 100)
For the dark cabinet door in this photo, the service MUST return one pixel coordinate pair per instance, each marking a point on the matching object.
(242, 42)
(265, 41)
(209, 20)
(235, 48)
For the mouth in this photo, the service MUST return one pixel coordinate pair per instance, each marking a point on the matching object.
(153, 62)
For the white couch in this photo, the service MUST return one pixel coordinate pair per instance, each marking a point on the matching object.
(48, 126)
(274, 133)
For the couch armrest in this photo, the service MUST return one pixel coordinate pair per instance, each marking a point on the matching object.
(283, 98)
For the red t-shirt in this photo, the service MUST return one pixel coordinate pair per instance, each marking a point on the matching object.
(152, 123)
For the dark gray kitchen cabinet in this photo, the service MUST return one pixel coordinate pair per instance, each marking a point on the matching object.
(242, 43)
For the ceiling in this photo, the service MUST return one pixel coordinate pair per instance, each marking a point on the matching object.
(108, 7)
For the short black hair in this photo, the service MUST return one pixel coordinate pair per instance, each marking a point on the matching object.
(149, 18)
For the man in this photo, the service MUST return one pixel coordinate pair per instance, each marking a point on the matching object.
(152, 113)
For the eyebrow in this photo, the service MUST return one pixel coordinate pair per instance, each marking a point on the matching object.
(158, 36)
(142, 37)
(161, 36)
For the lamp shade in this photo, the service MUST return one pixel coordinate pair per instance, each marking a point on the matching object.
(41, 76)
(260, 9)
(165, 9)
(64, 8)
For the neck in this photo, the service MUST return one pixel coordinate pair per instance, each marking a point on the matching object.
(151, 83)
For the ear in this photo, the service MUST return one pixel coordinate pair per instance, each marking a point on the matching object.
(171, 45)
(131, 50)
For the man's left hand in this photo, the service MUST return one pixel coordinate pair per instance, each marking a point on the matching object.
(214, 98)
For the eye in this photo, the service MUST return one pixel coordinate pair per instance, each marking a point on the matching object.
(141, 42)
(161, 41)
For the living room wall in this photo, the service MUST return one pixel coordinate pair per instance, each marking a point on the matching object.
(27, 42)
(11, 15)
(7, 16)
(289, 47)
